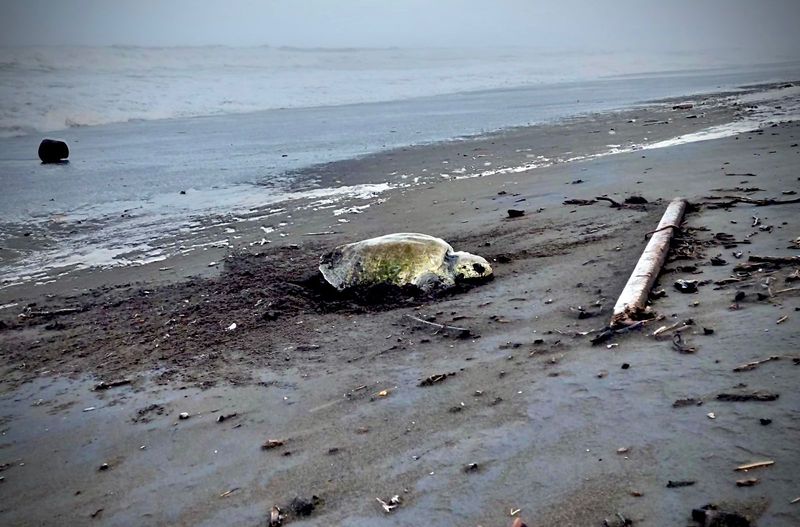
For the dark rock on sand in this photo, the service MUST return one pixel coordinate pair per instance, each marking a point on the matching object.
(53, 151)
(304, 507)
(711, 516)
(635, 200)
(515, 213)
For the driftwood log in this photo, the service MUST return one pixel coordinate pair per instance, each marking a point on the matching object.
(632, 301)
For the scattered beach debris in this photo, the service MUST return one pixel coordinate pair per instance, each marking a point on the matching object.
(515, 213)
(724, 202)
(680, 483)
(472, 467)
(683, 106)
(390, 504)
(224, 417)
(229, 492)
(680, 346)
(53, 151)
(718, 261)
(756, 363)
(690, 401)
(636, 200)
(462, 332)
(401, 259)
(103, 385)
(711, 415)
(275, 517)
(183, 416)
(686, 286)
(678, 326)
(269, 444)
(304, 507)
(580, 202)
(711, 516)
(231, 327)
(751, 466)
(764, 422)
(435, 379)
(749, 482)
(618, 520)
(104, 467)
(744, 397)
(146, 414)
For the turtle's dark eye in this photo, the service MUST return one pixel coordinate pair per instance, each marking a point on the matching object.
(478, 268)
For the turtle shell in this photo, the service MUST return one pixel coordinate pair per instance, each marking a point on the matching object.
(397, 259)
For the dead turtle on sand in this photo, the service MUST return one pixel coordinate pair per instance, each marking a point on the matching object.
(400, 259)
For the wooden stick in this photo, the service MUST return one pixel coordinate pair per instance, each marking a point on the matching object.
(437, 325)
(757, 464)
(632, 300)
(756, 363)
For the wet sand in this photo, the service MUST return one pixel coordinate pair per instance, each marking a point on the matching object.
(540, 410)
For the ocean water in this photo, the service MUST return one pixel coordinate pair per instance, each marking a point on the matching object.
(234, 129)
(53, 88)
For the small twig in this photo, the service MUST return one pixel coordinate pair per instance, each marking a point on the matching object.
(229, 492)
(615, 204)
(677, 343)
(437, 325)
(662, 229)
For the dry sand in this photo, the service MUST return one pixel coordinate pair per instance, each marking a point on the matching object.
(540, 410)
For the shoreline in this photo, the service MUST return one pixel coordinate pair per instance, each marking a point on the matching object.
(369, 179)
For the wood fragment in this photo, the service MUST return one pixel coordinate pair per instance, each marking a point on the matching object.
(103, 385)
(229, 492)
(757, 464)
(729, 201)
(777, 260)
(273, 443)
(633, 299)
(579, 202)
(435, 379)
(755, 364)
(614, 204)
(749, 482)
(783, 319)
(744, 397)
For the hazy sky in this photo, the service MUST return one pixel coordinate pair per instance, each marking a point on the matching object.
(768, 26)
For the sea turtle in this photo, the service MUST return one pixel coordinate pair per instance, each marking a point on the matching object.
(399, 259)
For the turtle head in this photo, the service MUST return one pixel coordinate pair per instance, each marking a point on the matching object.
(471, 267)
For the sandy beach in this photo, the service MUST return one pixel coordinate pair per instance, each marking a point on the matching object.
(532, 420)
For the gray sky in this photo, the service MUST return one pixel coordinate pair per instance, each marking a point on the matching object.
(771, 27)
